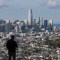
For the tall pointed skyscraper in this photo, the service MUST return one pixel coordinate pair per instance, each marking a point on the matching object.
(30, 17)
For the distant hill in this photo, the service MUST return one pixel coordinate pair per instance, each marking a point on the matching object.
(57, 25)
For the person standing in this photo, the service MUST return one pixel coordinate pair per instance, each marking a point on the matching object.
(12, 46)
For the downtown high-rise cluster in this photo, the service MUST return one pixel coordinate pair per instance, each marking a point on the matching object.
(40, 24)
(29, 25)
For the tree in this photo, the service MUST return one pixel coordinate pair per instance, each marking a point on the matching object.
(50, 58)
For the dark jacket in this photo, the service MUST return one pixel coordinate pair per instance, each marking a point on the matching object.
(11, 45)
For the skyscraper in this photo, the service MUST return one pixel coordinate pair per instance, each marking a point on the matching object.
(50, 25)
(45, 24)
(8, 26)
(41, 21)
(18, 27)
(30, 17)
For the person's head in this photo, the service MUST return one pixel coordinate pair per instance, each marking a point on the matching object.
(12, 37)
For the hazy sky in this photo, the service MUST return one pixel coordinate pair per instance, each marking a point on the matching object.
(18, 9)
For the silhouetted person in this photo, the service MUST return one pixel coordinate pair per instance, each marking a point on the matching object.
(11, 46)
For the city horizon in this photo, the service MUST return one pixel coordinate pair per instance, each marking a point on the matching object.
(18, 10)
(22, 19)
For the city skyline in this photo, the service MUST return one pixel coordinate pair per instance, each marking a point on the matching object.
(18, 9)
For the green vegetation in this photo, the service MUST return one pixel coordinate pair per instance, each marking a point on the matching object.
(52, 43)
(57, 42)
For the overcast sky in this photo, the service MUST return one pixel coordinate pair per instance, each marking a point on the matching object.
(18, 9)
